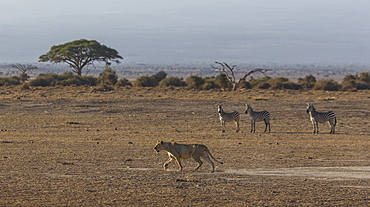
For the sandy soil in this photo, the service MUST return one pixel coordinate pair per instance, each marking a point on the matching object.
(71, 147)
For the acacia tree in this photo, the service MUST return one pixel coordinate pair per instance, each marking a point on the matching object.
(81, 53)
(230, 74)
(24, 68)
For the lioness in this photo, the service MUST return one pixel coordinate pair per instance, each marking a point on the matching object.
(183, 151)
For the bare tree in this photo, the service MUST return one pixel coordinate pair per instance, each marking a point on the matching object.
(24, 68)
(230, 74)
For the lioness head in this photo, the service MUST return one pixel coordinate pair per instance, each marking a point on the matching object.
(158, 146)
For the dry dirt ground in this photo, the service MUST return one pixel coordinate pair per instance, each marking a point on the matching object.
(71, 147)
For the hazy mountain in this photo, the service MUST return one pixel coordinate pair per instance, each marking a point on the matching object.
(165, 31)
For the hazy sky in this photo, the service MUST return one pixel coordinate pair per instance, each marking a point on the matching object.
(192, 31)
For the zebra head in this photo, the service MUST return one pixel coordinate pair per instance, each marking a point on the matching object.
(310, 108)
(249, 109)
(220, 108)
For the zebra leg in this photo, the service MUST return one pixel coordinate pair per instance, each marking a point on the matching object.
(314, 127)
(333, 129)
(223, 126)
(317, 127)
(332, 126)
(266, 123)
(237, 126)
(253, 126)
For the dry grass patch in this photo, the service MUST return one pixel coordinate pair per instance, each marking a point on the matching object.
(73, 147)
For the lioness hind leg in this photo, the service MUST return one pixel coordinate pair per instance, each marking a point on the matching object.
(197, 159)
(207, 159)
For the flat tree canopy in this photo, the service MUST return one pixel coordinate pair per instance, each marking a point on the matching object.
(80, 53)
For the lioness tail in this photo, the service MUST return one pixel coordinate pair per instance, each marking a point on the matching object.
(209, 152)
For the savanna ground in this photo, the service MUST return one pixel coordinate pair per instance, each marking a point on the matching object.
(69, 147)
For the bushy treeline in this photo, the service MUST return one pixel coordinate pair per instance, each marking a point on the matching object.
(108, 79)
(350, 82)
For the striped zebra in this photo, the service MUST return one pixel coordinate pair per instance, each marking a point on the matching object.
(318, 117)
(228, 117)
(256, 116)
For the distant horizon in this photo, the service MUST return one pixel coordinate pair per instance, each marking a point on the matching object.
(132, 71)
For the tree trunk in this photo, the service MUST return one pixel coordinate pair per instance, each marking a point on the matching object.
(235, 85)
(79, 71)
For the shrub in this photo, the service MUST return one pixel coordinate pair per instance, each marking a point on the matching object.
(349, 77)
(364, 77)
(108, 76)
(172, 81)
(123, 82)
(14, 80)
(145, 81)
(70, 82)
(25, 86)
(307, 79)
(361, 82)
(260, 82)
(327, 85)
(194, 82)
(292, 86)
(104, 87)
(263, 85)
(65, 79)
(279, 80)
(244, 84)
(348, 84)
(44, 80)
(88, 80)
(210, 83)
(307, 82)
(362, 86)
(65, 75)
(158, 77)
(222, 81)
(277, 83)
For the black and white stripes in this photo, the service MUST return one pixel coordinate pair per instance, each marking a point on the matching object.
(228, 117)
(259, 116)
(256, 116)
(318, 117)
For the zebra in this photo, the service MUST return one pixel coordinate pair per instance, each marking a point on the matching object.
(318, 117)
(256, 116)
(228, 117)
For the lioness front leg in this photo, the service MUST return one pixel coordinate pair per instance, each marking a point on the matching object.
(166, 163)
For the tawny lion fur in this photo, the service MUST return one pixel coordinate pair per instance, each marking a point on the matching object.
(183, 151)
